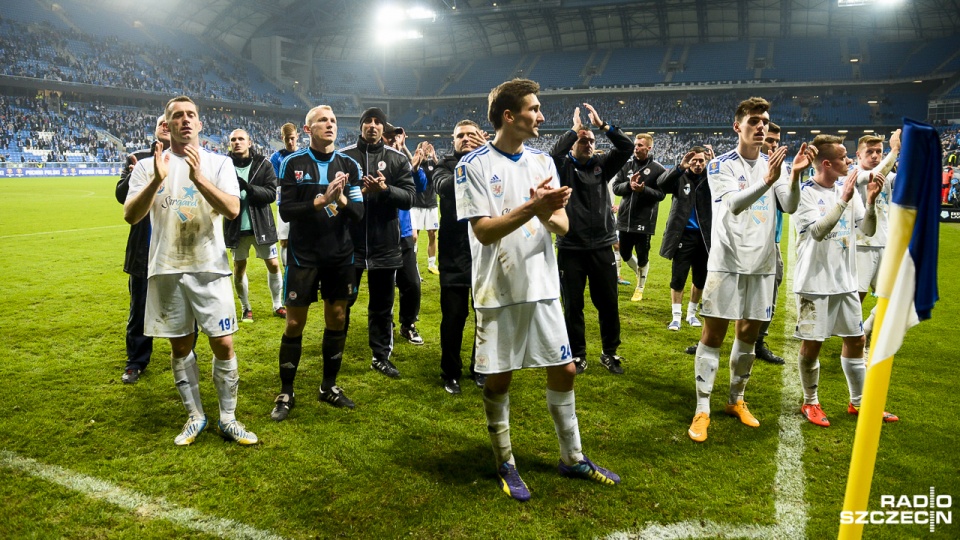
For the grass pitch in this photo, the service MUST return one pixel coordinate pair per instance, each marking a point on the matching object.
(411, 460)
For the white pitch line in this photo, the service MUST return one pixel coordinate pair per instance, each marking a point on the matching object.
(789, 481)
(61, 232)
(140, 505)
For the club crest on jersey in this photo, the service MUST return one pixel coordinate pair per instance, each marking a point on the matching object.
(686, 189)
(597, 170)
(381, 165)
(461, 176)
(298, 175)
(714, 167)
(823, 207)
(742, 182)
(646, 171)
(496, 186)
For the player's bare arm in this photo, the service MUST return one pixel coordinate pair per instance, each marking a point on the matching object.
(138, 207)
(226, 205)
(544, 201)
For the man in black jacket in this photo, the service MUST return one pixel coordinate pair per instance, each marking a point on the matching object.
(454, 259)
(586, 251)
(255, 225)
(636, 183)
(686, 239)
(387, 187)
(139, 346)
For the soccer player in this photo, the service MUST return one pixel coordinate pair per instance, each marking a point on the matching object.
(512, 197)
(320, 198)
(586, 251)
(870, 159)
(186, 190)
(139, 346)
(387, 188)
(408, 275)
(636, 183)
(686, 239)
(825, 278)
(742, 262)
(288, 134)
(255, 226)
(454, 260)
(770, 143)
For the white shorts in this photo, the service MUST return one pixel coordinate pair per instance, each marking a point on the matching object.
(868, 267)
(265, 251)
(524, 335)
(175, 302)
(738, 296)
(424, 219)
(283, 229)
(820, 316)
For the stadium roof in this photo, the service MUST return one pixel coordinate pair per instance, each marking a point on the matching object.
(347, 29)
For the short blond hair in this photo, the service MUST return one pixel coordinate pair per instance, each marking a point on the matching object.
(306, 120)
(647, 137)
(287, 129)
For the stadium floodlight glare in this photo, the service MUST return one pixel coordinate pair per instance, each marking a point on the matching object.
(843, 131)
(872, 102)
(419, 13)
(815, 131)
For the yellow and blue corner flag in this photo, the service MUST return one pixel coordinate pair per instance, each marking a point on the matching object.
(906, 291)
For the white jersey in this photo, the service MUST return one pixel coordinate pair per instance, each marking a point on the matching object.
(522, 266)
(186, 234)
(828, 266)
(744, 243)
(882, 203)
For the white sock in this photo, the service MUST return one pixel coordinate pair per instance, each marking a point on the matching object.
(632, 263)
(275, 281)
(741, 363)
(283, 256)
(705, 366)
(855, 369)
(226, 379)
(431, 261)
(243, 291)
(642, 276)
(809, 378)
(616, 256)
(497, 409)
(677, 312)
(691, 309)
(186, 376)
(563, 409)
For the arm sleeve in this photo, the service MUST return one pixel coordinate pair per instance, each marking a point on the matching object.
(618, 157)
(562, 146)
(262, 190)
(821, 227)
(290, 208)
(741, 200)
(621, 183)
(471, 192)
(787, 193)
(401, 188)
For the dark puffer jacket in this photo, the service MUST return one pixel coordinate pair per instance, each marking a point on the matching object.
(261, 191)
(689, 191)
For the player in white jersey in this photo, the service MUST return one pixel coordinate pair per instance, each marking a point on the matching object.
(830, 217)
(186, 190)
(742, 263)
(511, 195)
(870, 248)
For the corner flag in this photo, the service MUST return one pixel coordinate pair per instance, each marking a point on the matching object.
(906, 289)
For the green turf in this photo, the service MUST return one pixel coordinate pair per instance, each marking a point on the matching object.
(410, 460)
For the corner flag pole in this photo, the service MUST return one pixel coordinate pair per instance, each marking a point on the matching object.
(906, 285)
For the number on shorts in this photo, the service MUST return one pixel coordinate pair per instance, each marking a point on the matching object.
(225, 324)
(564, 352)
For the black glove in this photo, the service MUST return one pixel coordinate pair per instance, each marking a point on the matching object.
(243, 184)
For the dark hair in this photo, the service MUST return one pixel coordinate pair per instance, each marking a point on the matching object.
(747, 106)
(509, 96)
(178, 99)
(773, 128)
(824, 144)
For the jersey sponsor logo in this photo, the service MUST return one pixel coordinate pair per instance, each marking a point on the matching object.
(714, 167)
(331, 209)
(182, 205)
(496, 186)
(461, 175)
